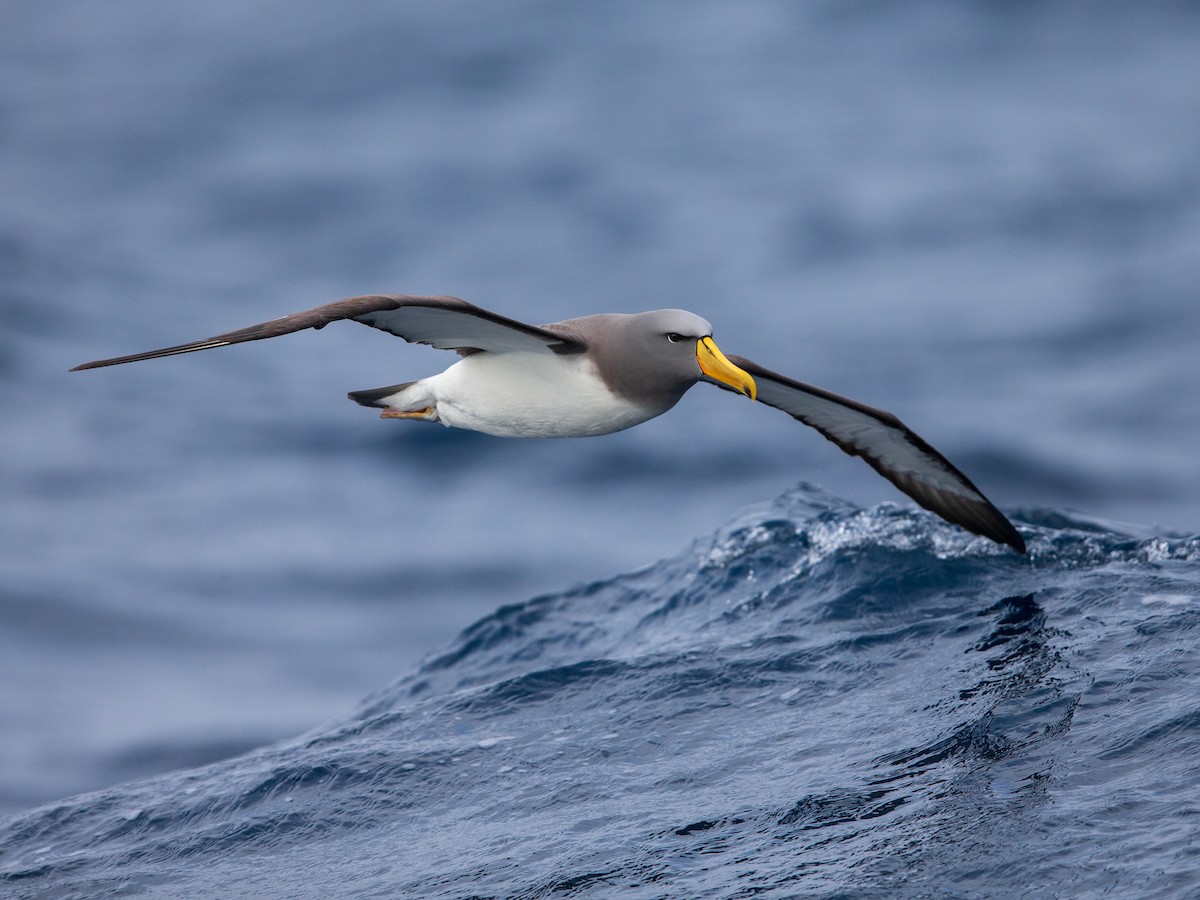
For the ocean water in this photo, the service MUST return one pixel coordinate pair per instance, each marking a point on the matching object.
(818, 700)
(980, 216)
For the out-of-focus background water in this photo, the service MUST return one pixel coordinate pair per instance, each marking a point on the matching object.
(983, 217)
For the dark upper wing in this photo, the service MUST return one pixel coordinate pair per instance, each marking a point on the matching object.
(443, 322)
(891, 448)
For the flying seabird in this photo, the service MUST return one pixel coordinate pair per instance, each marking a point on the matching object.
(604, 373)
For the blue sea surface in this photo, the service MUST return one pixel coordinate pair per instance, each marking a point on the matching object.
(819, 700)
(983, 217)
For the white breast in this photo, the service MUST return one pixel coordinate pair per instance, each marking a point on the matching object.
(530, 395)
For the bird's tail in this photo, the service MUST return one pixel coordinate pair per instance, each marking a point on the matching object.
(378, 397)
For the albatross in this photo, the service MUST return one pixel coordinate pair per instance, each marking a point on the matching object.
(599, 374)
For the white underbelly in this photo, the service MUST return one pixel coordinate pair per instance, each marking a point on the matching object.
(530, 395)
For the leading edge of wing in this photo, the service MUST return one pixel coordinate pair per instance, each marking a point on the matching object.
(446, 323)
(891, 448)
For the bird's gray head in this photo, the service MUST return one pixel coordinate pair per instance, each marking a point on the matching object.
(654, 357)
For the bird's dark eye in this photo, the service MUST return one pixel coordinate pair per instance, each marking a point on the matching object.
(674, 337)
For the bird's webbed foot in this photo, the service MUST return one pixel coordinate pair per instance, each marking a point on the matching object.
(428, 414)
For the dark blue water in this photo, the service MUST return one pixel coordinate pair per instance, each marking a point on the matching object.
(983, 217)
(819, 701)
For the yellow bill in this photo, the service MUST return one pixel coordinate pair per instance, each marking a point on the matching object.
(714, 364)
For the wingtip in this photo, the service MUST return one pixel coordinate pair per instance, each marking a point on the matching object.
(1003, 532)
(996, 526)
(974, 513)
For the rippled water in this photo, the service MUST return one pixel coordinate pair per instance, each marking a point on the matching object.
(818, 700)
(982, 217)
